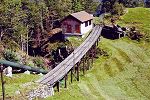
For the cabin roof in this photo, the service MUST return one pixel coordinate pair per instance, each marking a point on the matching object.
(54, 31)
(82, 16)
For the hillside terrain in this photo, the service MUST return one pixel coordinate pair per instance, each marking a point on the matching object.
(138, 17)
(124, 74)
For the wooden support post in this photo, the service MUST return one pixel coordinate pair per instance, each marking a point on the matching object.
(57, 86)
(66, 81)
(94, 49)
(83, 65)
(92, 56)
(71, 75)
(80, 68)
(88, 63)
(99, 38)
(2, 82)
(75, 68)
(97, 42)
(77, 71)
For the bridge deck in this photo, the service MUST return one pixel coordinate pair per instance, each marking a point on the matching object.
(65, 66)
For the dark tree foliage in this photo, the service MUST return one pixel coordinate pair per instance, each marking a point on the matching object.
(110, 6)
(20, 19)
(147, 3)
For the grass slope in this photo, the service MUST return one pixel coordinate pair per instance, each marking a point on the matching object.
(125, 74)
(19, 82)
(139, 17)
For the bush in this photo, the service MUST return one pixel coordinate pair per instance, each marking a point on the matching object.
(10, 56)
(146, 37)
(39, 62)
(134, 34)
(118, 9)
(11, 45)
(30, 63)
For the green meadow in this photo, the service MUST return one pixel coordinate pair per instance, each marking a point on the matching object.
(138, 17)
(123, 75)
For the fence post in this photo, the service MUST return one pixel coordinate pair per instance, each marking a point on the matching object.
(2, 81)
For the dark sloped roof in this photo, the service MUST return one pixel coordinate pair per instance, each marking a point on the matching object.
(54, 31)
(82, 16)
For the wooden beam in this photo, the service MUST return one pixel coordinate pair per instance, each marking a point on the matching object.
(80, 67)
(97, 42)
(77, 71)
(57, 86)
(71, 75)
(66, 81)
(92, 56)
(94, 50)
(83, 65)
(99, 38)
(88, 63)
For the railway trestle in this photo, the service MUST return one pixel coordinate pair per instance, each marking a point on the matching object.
(77, 63)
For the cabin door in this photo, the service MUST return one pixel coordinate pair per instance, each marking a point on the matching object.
(77, 28)
(69, 29)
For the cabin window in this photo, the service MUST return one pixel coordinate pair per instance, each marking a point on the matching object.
(86, 23)
(90, 22)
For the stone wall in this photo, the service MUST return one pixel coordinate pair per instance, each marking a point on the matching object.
(43, 91)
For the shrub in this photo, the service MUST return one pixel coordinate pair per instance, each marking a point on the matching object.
(11, 45)
(146, 37)
(39, 62)
(134, 34)
(10, 56)
(30, 63)
(118, 9)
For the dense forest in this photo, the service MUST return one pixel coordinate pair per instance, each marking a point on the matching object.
(25, 24)
(20, 17)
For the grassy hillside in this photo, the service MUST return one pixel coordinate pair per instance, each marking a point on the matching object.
(19, 82)
(139, 17)
(124, 74)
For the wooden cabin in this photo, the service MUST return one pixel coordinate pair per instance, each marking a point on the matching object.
(77, 23)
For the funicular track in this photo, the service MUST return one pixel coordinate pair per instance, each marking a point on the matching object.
(66, 66)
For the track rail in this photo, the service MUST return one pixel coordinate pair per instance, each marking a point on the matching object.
(66, 65)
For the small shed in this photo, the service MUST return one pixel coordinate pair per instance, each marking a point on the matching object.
(77, 23)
